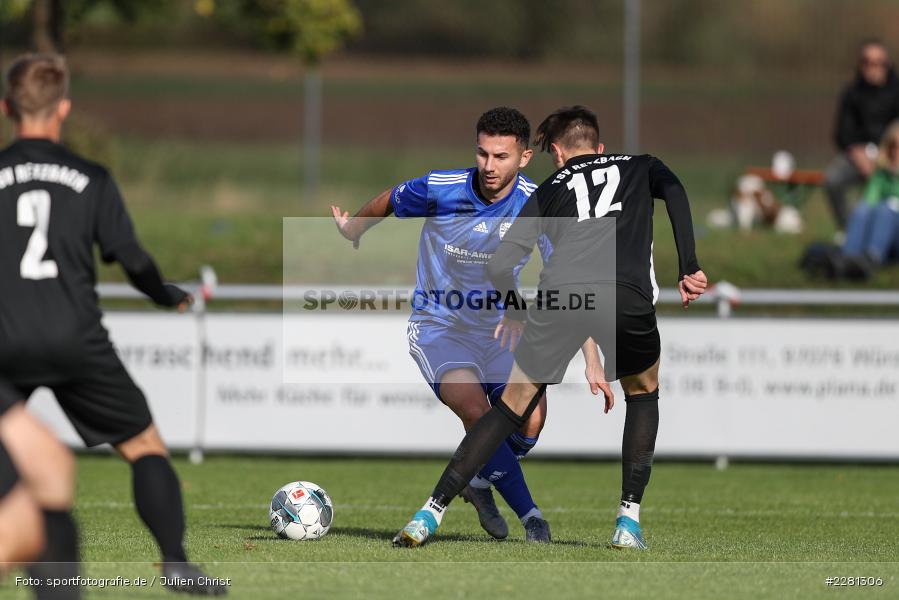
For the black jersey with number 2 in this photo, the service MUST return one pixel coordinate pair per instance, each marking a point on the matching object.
(55, 207)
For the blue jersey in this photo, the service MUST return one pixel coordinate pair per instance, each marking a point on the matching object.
(460, 234)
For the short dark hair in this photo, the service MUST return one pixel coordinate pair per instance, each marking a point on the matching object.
(503, 120)
(570, 127)
(35, 83)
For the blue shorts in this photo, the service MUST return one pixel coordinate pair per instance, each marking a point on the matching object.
(438, 348)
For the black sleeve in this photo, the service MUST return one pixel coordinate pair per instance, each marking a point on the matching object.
(145, 276)
(518, 242)
(112, 225)
(848, 130)
(666, 186)
(114, 233)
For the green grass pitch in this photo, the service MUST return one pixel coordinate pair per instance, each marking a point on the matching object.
(746, 532)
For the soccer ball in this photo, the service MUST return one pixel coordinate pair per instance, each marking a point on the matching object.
(301, 511)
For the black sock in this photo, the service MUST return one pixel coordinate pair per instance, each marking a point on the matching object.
(641, 425)
(60, 559)
(476, 448)
(157, 496)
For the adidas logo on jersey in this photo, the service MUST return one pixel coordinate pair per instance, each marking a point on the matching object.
(481, 227)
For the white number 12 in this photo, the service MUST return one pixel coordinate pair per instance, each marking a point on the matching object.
(611, 176)
(33, 210)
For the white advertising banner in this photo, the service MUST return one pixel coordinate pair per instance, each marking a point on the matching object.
(804, 388)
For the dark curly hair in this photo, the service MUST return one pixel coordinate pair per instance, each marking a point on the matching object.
(503, 120)
(570, 127)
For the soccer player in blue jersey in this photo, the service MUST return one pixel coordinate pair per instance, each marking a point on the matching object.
(467, 212)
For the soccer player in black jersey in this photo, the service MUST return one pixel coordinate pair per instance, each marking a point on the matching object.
(54, 207)
(596, 210)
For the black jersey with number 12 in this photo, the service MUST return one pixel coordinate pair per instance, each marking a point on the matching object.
(597, 211)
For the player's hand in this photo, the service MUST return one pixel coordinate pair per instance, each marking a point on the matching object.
(178, 298)
(342, 220)
(186, 303)
(508, 331)
(691, 287)
(596, 377)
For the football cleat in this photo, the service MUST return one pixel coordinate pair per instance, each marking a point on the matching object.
(627, 534)
(488, 514)
(537, 530)
(417, 531)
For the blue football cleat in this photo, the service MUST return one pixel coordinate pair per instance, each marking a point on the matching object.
(627, 534)
(417, 531)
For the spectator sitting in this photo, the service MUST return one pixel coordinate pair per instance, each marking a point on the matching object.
(868, 104)
(872, 237)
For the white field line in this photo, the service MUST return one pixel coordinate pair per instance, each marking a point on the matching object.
(727, 512)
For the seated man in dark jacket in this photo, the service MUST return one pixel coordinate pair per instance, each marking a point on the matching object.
(868, 104)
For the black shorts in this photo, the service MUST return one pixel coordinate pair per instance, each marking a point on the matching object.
(618, 318)
(99, 398)
(9, 477)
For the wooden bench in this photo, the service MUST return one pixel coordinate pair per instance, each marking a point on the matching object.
(810, 177)
(796, 185)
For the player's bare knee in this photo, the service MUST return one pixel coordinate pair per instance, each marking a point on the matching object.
(639, 387)
(21, 529)
(517, 403)
(46, 466)
(461, 391)
(51, 480)
(33, 532)
(534, 425)
(641, 383)
(146, 443)
(470, 410)
(471, 417)
(519, 398)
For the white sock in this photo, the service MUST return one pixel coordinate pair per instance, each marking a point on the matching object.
(435, 509)
(629, 509)
(480, 483)
(534, 512)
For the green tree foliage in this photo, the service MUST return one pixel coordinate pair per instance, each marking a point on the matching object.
(311, 28)
(737, 34)
(13, 10)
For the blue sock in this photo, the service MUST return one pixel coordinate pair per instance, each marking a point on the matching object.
(505, 473)
(521, 444)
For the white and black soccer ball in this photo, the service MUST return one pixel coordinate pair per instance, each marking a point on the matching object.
(301, 511)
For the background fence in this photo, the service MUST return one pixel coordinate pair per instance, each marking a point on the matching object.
(774, 388)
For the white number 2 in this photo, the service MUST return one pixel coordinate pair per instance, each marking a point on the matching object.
(33, 210)
(611, 176)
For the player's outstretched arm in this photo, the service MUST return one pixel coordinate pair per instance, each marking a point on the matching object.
(118, 242)
(144, 275)
(664, 184)
(372, 213)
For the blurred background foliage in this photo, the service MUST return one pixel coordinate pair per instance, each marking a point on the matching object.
(740, 34)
